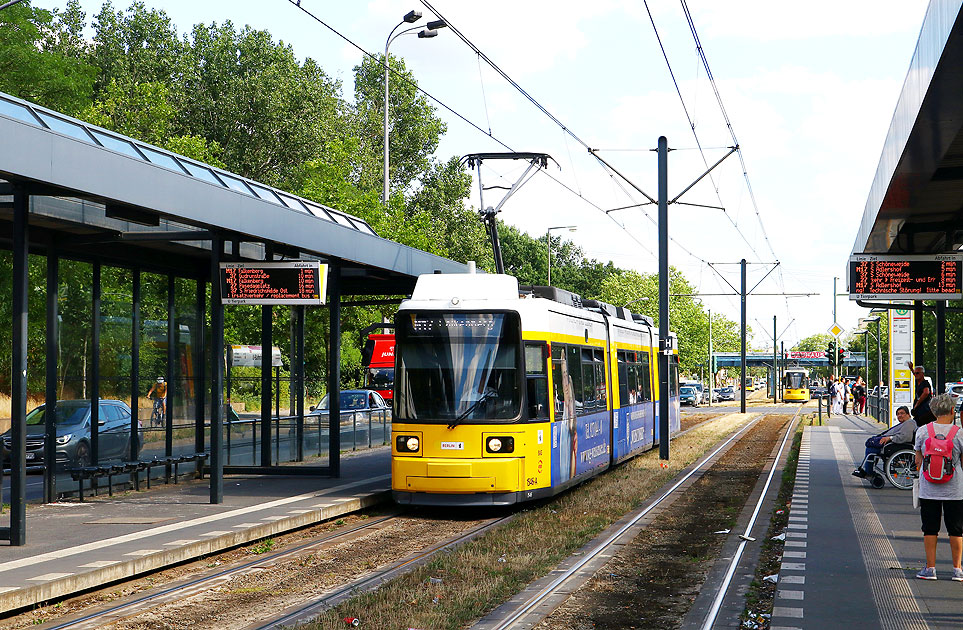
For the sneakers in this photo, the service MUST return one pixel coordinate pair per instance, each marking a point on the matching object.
(957, 575)
(929, 573)
(859, 472)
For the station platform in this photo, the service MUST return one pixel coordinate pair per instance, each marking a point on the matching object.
(852, 552)
(72, 547)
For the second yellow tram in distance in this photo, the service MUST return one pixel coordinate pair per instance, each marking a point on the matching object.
(504, 395)
(795, 384)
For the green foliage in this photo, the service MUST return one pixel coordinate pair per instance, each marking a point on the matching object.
(42, 57)
(814, 343)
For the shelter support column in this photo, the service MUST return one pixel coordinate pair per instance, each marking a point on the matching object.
(198, 382)
(298, 377)
(334, 369)
(171, 375)
(918, 354)
(134, 362)
(17, 532)
(93, 386)
(217, 372)
(940, 346)
(50, 401)
(267, 356)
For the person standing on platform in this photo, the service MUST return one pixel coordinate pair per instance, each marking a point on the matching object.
(846, 391)
(836, 390)
(921, 402)
(941, 499)
(859, 396)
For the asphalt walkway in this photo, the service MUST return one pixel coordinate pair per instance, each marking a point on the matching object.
(74, 546)
(852, 551)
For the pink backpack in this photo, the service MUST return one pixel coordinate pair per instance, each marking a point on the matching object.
(938, 455)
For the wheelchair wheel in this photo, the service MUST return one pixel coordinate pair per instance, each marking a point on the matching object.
(877, 481)
(900, 467)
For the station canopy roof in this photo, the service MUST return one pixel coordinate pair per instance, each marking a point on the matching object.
(99, 194)
(915, 204)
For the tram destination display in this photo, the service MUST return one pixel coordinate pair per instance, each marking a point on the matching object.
(907, 277)
(292, 283)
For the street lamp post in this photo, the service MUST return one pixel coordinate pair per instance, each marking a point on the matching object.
(431, 30)
(548, 239)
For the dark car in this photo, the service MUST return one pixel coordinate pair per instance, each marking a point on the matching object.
(360, 402)
(73, 433)
(689, 396)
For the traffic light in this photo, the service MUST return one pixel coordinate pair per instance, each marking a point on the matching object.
(831, 354)
(842, 355)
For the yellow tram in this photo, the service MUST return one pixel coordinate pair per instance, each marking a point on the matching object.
(795, 385)
(505, 395)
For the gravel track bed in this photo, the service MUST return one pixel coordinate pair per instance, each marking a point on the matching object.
(654, 580)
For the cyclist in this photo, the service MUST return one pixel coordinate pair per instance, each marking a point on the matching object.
(160, 390)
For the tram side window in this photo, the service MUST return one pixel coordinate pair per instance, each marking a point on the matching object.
(624, 397)
(645, 377)
(537, 380)
(601, 391)
(574, 361)
(633, 371)
(558, 355)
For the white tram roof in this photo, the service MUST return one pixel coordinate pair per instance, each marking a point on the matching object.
(474, 291)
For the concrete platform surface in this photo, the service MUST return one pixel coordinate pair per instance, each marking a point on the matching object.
(851, 551)
(75, 546)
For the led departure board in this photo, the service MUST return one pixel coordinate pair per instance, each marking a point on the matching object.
(910, 277)
(295, 282)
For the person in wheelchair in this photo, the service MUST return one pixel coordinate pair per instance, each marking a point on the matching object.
(900, 434)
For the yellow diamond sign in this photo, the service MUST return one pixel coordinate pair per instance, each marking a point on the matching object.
(835, 330)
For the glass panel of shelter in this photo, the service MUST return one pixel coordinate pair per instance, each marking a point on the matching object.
(18, 111)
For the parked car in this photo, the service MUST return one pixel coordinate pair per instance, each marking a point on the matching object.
(955, 390)
(715, 394)
(727, 393)
(699, 387)
(688, 395)
(359, 402)
(73, 433)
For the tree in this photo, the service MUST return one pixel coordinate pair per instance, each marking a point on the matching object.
(41, 58)
(814, 343)
(413, 128)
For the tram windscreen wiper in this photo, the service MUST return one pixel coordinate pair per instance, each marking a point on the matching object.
(454, 423)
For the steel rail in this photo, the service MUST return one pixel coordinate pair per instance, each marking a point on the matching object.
(734, 563)
(136, 603)
(553, 586)
(334, 597)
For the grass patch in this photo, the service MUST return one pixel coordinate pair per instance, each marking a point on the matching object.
(458, 587)
(264, 546)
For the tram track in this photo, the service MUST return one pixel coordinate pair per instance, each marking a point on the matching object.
(144, 610)
(540, 600)
(139, 604)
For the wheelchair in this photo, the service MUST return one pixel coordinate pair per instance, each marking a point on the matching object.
(896, 463)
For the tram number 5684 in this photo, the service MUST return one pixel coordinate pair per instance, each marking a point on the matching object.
(531, 481)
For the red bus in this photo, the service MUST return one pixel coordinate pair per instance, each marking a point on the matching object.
(379, 361)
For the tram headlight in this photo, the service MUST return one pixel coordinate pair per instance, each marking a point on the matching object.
(407, 443)
(500, 444)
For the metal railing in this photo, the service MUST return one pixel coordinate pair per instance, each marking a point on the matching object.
(243, 433)
(878, 407)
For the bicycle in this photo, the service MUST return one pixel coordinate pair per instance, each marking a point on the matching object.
(157, 414)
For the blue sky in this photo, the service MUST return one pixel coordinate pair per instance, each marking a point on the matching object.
(810, 90)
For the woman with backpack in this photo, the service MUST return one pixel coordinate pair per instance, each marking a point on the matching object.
(938, 448)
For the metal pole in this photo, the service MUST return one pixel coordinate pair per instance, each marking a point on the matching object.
(217, 372)
(171, 370)
(334, 370)
(94, 386)
(879, 359)
(134, 363)
(267, 356)
(299, 326)
(50, 402)
(201, 300)
(18, 396)
(384, 194)
(866, 360)
(548, 238)
(742, 296)
(782, 366)
(918, 354)
(835, 338)
(940, 346)
(775, 362)
(664, 348)
(712, 372)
